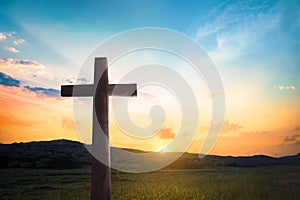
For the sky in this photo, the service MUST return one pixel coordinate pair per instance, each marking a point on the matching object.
(253, 44)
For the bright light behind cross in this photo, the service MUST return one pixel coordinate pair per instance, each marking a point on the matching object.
(177, 86)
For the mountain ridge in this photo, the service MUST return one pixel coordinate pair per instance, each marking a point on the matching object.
(68, 154)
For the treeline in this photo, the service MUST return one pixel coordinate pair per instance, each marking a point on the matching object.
(57, 154)
(65, 154)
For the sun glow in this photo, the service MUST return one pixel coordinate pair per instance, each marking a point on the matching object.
(162, 150)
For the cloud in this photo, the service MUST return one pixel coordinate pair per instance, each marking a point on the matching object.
(284, 136)
(46, 91)
(10, 41)
(5, 35)
(229, 31)
(291, 138)
(294, 138)
(231, 127)
(284, 87)
(82, 80)
(72, 79)
(279, 142)
(11, 38)
(26, 70)
(10, 63)
(8, 80)
(2, 36)
(166, 133)
(19, 41)
(12, 49)
(11, 34)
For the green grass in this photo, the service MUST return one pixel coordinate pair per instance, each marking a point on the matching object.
(278, 182)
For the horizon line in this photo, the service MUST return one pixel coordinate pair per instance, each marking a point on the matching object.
(271, 156)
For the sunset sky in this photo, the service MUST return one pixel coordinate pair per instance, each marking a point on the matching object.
(255, 47)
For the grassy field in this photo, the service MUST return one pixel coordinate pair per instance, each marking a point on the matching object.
(278, 182)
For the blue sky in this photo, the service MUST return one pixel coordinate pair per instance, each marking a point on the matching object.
(64, 32)
(254, 44)
(258, 36)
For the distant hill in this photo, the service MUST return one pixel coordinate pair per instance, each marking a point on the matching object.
(56, 154)
(65, 154)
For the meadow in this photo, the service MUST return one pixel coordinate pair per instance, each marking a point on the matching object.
(272, 182)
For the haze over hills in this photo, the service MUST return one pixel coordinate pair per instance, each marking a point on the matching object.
(66, 154)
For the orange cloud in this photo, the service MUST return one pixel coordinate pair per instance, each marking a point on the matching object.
(166, 133)
(292, 138)
(231, 127)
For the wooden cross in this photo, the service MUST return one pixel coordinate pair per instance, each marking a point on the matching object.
(101, 181)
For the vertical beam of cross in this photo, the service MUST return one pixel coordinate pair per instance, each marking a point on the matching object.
(101, 181)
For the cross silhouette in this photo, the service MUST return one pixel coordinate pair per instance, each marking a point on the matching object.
(101, 181)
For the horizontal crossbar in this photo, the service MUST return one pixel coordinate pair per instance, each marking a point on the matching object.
(88, 90)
